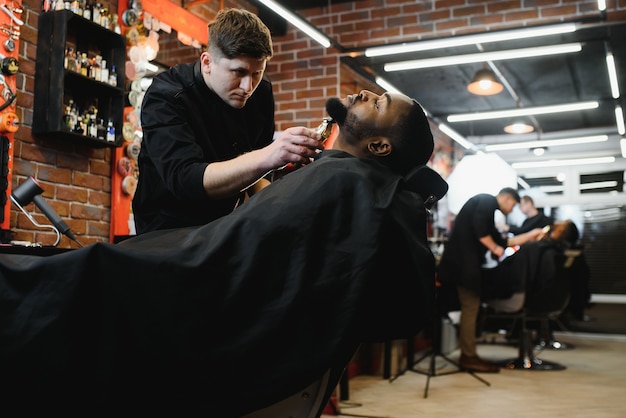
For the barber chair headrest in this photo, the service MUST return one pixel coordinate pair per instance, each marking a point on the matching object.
(428, 184)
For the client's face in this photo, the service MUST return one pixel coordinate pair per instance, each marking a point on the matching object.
(367, 114)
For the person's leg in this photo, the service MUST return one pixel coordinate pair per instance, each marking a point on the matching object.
(470, 306)
(469, 360)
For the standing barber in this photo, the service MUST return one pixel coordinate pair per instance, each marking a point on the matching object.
(473, 234)
(208, 128)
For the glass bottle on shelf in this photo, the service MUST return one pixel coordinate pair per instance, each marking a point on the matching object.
(104, 72)
(67, 117)
(110, 131)
(87, 10)
(104, 18)
(71, 59)
(84, 64)
(75, 7)
(101, 130)
(113, 76)
(95, 13)
(96, 68)
(66, 58)
(92, 129)
(115, 24)
(85, 123)
(78, 64)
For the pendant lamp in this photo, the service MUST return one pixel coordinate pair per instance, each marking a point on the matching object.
(485, 83)
(518, 128)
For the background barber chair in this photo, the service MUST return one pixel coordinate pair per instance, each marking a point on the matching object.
(543, 307)
(545, 334)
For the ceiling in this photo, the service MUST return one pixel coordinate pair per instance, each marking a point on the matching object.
(529, 82)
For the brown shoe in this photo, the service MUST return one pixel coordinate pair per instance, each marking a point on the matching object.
(476, 364)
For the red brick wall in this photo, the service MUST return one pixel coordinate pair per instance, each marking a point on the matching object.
(76, 179)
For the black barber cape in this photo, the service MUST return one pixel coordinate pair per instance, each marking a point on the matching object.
(224, 318)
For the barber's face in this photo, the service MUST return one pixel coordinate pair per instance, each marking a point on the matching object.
(508, 204)
(233, 80)
(367, 114)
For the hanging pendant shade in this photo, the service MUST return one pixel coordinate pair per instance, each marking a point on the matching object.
(518, 128)
(485, 83)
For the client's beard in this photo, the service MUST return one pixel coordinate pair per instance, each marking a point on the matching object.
(336, 110)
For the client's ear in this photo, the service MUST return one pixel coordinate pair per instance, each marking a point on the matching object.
(379, 146)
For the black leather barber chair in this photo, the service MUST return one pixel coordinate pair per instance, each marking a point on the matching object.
(543, 306)
(545, 339)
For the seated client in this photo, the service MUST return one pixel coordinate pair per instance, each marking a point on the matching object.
(528, 275)
(232, 316)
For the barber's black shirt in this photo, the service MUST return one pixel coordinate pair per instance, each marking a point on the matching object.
(538, 221)
(185, 127)
(464, 253)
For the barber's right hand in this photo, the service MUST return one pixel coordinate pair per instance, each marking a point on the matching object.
(540, 233)
(296, 145)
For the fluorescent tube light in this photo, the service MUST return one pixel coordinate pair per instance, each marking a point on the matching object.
(622, 145)
(524, 111)
(387, 85)
(610, 64)
(297, 22)
(455, 136)
(546, 143)
(562, 163)
(599, 185)
(483, 56)
(480, 38)
(619, 120)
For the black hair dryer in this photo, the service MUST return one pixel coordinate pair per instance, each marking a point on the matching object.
(30, 191)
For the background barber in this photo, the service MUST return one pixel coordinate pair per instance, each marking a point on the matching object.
(208, 128)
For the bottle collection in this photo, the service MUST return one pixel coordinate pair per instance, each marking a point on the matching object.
(96, 13)
(87, 122)
(93, 67)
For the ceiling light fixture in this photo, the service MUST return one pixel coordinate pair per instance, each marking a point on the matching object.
(483, 56)
(485, 83)
(619, 120)
(386, 85)
(518, 128)
(456, 136)
(622, 145)
(546, 143)
(480, 38)
(539, 151)
(610, 64)
(298, 22)
(609, 184)
(562, 163)
(525, 111)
